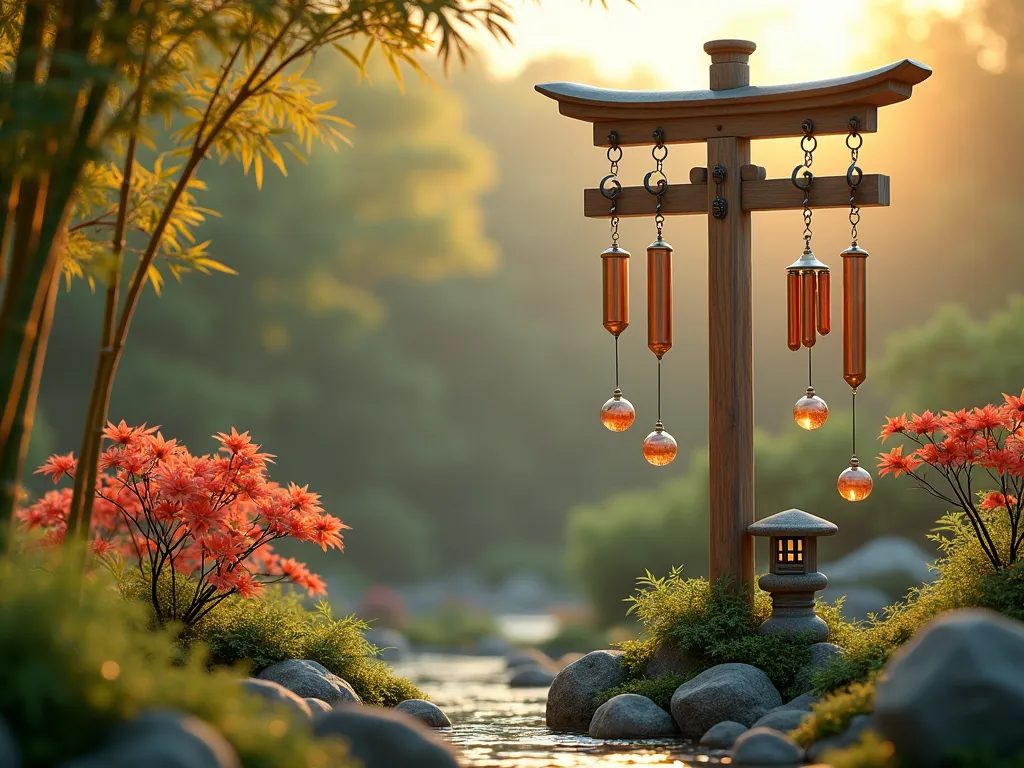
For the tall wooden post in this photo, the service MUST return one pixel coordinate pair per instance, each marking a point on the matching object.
(728, 117)
(730, 340)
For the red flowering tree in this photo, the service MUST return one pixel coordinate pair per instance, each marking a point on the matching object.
(202, 523)
(973, 460)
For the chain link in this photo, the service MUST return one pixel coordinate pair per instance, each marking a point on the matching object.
(808, 143)
(610, 185)
(659, 153)
(854, 175)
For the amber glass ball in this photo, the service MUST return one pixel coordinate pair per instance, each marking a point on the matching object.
(618, 413)
(854, 483)
(660, 447)
(810, 412)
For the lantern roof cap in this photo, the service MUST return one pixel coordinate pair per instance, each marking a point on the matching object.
(793, 522)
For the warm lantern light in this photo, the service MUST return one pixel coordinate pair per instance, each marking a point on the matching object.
(618, 413)
(615, 279)
(824, 303)
(810, 411)
(660, 447)
(854, 482)
(659, 297)
(855, 327)
(793, 310)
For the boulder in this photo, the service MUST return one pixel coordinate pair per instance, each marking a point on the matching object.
(821, 655)
(781, 719)
(571, 704)
(669, 660)
(738, 692)
(722, 735)
(390, 642)
(317, 705)
(277, 694)
(381, 738)
(957, 684)
(310, 679)
(530, 677)
(854, 730)
(10, 753)
(858, 600)
(162, 739)
(427, 713)
(630, 716)
(883, 557)
(803, 702)
(764, 747)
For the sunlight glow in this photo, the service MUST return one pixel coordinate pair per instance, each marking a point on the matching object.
(806, 41)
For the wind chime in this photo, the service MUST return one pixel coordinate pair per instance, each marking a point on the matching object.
(618, 414)
(808, 307)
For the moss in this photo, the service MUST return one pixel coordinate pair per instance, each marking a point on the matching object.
(659, 690)
(258, 633)
(81, 658)
(832, 714)
(1003, 591)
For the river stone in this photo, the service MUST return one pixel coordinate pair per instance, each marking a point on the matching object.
(738, 692)
(957, 684)
(277, 694)
(317, 705)
(803, 702)
(821, 655)
(530, 677)
(390, 642)
(427, 713)
(162, 739)
(10, 753)
(310, 679)
(631, 716)
(854, 730)
(764, 747)
(781, 719)
(669, 660)
(722, 735)
(382, 738)
(571, 704)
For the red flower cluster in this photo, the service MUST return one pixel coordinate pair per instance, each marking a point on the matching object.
(211, 518)
(961, 446)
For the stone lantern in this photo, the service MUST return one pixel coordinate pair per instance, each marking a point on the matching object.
(793, 576)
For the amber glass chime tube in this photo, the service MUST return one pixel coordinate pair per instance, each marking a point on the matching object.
(824, 302)
(855, 329)
(808, 308)
(615, 279)
(659, 297)
(793, 309)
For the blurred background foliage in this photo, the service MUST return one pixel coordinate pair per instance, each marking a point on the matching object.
(415, 327)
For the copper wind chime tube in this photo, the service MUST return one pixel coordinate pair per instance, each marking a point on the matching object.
(617, 414)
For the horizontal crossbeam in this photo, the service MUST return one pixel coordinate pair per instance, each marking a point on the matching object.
(757, 195)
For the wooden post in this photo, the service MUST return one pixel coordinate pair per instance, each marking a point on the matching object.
(730, 344)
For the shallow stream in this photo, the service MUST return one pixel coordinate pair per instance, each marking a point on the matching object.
(500, 727)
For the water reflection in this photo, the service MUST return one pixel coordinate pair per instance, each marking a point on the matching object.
(501, 727)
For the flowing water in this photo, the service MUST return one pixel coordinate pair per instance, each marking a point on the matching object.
(500, 727)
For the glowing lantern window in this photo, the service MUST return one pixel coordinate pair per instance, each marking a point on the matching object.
(789, 554)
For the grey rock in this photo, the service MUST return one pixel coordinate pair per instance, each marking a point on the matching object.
(630, 716)
(310, 679)
(162, 739)
(781, 719)
(882, 556)
(381, 738)
(764, 747)
(277, 694)
(390, 642)
(821, 655)
(958, 683)
(669, 660)
(858, 601)
(10, 753)
(570, 705)
(722, 735)
(531, 677)
(427, 713)
(317, 705)
(738, 692)
(803, 702)
(493, 645)
(854, 730)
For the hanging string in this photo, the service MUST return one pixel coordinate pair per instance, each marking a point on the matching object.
(659, 389)
(809, 383)
(855, 422)
(616, 362)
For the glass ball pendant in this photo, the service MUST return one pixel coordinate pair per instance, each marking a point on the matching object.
(617, 414)
(810, 411)
(660, 447)
(854, 482)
